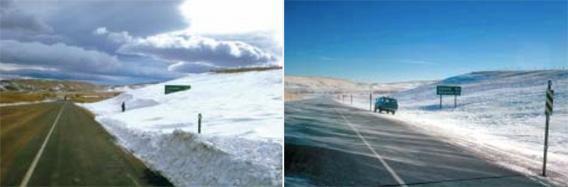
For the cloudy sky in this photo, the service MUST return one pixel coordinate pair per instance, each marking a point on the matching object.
(119, 42)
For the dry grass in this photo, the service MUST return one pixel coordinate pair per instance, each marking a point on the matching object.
(48, 85)
(14, 96)
(21, 127)
(89, 97)
(80, 97)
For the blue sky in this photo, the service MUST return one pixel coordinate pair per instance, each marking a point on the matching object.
(387, 41)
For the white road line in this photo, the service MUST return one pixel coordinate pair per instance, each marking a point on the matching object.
(379, 157)
(40, 152)
(133, 180)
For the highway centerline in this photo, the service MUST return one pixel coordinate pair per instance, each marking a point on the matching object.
(379, 157)
(40, 152)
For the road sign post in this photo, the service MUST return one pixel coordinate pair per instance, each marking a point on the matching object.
(199, 123)
(440, 101)
(547, 112)
(448, 90)
(371, 101)
(455, 101)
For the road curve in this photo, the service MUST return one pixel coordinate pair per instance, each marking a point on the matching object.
(327, 143)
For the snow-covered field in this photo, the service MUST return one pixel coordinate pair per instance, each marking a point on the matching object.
(300, 84)
(500, 115)
(242, 128)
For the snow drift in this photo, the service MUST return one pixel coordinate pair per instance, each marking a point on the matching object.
(241, 140)
(500, 115)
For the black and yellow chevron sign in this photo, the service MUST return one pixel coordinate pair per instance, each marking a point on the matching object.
(549, 101)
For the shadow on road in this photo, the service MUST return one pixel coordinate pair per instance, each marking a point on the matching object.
(155, 178)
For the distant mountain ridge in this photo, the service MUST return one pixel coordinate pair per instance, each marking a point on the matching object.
(29, 85)
(305, 84)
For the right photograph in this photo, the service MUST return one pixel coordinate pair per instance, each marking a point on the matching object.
(426, 93)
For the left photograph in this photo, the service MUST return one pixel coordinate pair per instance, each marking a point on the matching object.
(141, 93)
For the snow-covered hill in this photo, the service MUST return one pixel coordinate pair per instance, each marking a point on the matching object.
(300, 84)
(242, 129)
(500, 114)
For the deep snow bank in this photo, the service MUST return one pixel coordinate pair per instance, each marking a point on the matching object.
(500, 114)
(242, 129)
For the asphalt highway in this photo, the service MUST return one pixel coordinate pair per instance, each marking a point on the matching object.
(60, 144)
(327, 143)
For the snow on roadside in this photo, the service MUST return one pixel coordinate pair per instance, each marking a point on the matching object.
(241, 141)
(500, 115)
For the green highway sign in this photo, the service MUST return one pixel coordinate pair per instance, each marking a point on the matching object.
(176, 88)
(448, 90)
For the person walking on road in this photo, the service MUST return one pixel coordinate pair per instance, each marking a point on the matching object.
(123, 106)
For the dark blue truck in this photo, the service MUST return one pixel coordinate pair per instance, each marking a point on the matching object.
(386, 104)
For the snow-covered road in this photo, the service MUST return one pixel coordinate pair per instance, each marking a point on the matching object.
(500, 115)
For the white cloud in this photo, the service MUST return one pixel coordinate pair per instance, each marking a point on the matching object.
(100, 31)
(191, 67)
(206, 35)
(183, 47)
(14, 67)
(116, 37)
(33, 58)
(236, 34)
(58, 55)
(232, 17)
(261, 19)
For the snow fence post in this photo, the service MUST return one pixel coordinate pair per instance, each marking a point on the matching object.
(371, 101)
(440, 101)
(199, 123)
(547, 111)
(455, 101)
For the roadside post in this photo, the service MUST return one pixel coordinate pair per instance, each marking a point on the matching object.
(199, 123)
(455, 101)
(371, 101)
(547, 112)
(448, 90)
(351, 98)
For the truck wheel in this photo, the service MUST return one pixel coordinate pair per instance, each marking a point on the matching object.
(392, 112)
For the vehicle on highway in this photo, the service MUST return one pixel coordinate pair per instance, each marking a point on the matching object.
(386, 104)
